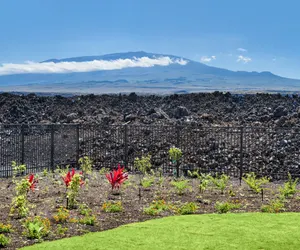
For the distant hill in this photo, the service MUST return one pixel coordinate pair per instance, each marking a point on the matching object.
(191, 77)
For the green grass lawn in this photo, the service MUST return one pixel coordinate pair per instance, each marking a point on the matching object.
(210, 231)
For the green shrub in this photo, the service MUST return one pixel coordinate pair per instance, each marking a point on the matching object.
(220, 182)
(289, 188)
(36, 227)
(61, 230)
(274, 206)
(203, 178)
(143, 164)
(112, 207)
(19, 203)
(156, 207)
(84, 209)
(4, 241)
(62, 215)
(225, 207)
(147, 181)
(175, 154)
(73, 190)
(255, 183)
(88, 220)
(5, 228)
(187, 208)
(86, 164)
(17, 169)
(181, 186)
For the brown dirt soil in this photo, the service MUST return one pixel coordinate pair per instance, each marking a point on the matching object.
(51, 194)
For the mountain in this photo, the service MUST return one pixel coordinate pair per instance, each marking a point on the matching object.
(177, 75)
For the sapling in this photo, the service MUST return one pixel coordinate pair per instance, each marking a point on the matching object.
(17, 169)
(220, 181)
(175, 155)
(203, 178)
(255, 183)
(19, 203)
(181, 186)
(86, 165)
(289, 188)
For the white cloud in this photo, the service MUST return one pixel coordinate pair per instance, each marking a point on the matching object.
(67, 67)
(242, 50)
(243, 59)
(208, 59)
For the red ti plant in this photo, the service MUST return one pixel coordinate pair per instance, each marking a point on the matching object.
(32, 181)
(117, 177)
(68, 178)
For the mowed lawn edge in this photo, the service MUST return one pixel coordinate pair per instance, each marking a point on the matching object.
(207, 231)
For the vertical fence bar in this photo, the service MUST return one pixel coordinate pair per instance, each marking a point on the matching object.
(126, 145)
(177, 145)
(77, 144)
(22, 145)
(241, 153)
(52, 148)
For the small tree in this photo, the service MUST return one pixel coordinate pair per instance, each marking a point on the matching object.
(143, 164)
(175, 155)
(86, 164)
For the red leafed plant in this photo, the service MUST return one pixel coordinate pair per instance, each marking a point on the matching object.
(33, 181)
(117, 177)
(68, 178)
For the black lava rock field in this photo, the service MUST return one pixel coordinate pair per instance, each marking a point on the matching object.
(207, 109)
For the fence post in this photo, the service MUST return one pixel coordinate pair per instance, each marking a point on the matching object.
(178, 146)
(77, 144)
(52, 148)
(126, 145)
(241, 153)
(22, 145)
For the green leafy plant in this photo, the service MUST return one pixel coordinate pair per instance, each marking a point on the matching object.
(225, 207)
(143, 164)
(274, 206)
(289, 188)
(17, 169)
(62, 215)
(84, 209)
(73, 182)
(5, 228)
(187, 208)
(147, 181)
(88, 220)
(36, 227)
(203, 178)
(61, 230)
(175, 154)
(255, 183)
(4, 241)
(220, 182)
(86, 164)
(181, 186)
(156, 207)
(112, 207)
(45, 172)
(19, 205)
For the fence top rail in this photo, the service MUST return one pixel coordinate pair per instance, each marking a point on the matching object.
(193, 126)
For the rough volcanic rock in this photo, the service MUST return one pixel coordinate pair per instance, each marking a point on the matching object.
(205, 109)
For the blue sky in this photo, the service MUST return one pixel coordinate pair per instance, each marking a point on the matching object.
(239, 35)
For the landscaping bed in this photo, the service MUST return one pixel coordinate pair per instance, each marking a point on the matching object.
(49, 195)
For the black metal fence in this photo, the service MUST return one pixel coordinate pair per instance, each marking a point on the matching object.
(231, 150)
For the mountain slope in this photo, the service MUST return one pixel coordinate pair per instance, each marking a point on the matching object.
(174, 77)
